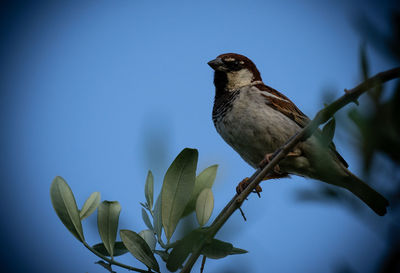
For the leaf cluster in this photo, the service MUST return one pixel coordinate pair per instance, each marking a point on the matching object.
(182, 193)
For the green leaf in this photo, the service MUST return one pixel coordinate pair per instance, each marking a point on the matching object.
(138, 247)
(329, 131)
(204, 206)
(163, 254)
(157, 220)
(119, 249)
(146, 219)
(148, 236)
(364, 63)
(107, 223)
(219, 249)
(90, 205)
(204, 180)
(182, 249)
(177, 189)
(236, 250)
(64, 204)
(149, 188)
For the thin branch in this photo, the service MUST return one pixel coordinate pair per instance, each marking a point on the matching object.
(113, 262)
(321, 117)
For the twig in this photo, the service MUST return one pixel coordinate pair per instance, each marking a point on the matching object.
(241, 212)
(322, 116)
(113, 262)
(203, 262)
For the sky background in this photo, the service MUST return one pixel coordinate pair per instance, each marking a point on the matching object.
(100, 92)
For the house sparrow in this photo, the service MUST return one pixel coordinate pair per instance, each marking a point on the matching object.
(255, 120)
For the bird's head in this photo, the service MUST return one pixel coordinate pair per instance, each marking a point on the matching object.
(233, 71)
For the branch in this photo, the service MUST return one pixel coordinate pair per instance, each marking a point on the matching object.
(321, 117)
(113, 262)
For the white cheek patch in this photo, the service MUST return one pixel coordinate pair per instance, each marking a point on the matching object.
(237, 79)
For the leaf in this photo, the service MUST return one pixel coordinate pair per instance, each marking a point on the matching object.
(163, 254)
(64, 204)
(204, 180)
(148, 236)
(157, 220)
(328, 131)
(138, 247)
(204, 206)
(236, 250)
(219, 249)
(177, 189)
(107, 223)
(149, 188)
(364, 63)
(119, 249)
(146, 219)
(182, 249)
(90, 205)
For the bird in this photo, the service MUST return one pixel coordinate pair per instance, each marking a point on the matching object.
(255, 120)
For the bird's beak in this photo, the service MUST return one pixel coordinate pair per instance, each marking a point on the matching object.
(216, 64)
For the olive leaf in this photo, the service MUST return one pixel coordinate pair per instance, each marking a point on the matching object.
(157, 219)
(148, 189)
(177, 189)
(204, 180)
(146, 219)
(138, 247)
(148, 236)
(183, 248)
(204, 206)
(107, 223)
(218, 249)
(64, 204)
(90, 205)
(119, 249)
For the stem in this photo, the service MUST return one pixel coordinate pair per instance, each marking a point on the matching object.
(113, 262)
(321, 117)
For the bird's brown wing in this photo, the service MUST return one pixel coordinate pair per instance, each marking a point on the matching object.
(284, 105)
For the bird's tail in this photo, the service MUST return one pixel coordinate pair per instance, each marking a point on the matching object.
(368, 195)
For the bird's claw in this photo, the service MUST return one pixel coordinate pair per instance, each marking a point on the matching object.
(266, 160)
(244, 184)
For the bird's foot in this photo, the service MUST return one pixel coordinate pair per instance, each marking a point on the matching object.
(266, 160)
(245, 182)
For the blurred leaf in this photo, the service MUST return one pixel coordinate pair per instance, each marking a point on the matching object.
(163, 254)
(218, 249)
(107, 223)
(364, 63)
(236, 250)
(177, 189)
(204, 206)
(182, 249)
(157, 220)
(149, 188)
(204, 180)
(138, 247)
(148, 236)
(119, 249)
(329, 131)
(64, 204)
(146, 219)
(144, 205)
(90, 205)
(374, 93)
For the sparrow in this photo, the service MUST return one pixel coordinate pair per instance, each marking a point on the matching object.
(255, 120)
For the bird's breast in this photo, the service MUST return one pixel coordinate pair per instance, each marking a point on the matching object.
(252, 127)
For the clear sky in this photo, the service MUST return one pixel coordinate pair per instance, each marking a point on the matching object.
(101, 91)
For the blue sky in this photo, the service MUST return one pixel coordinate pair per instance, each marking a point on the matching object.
(99, 92)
